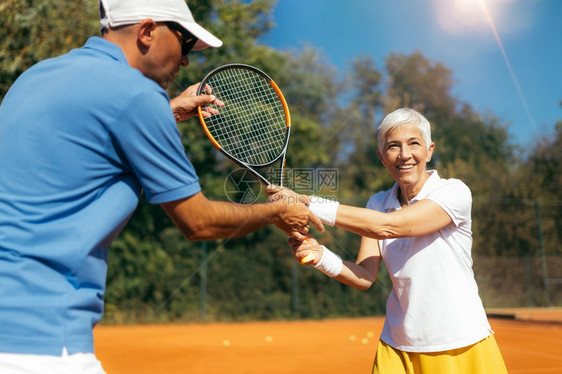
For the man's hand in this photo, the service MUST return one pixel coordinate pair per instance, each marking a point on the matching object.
(295, 218)
(185, 104)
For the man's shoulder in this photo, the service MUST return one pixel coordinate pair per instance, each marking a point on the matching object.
(104, 66)
(104, 76)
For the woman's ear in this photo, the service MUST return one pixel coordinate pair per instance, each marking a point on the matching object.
(430, 151)
(379, 155)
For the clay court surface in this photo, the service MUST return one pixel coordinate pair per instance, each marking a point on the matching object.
(530, 340)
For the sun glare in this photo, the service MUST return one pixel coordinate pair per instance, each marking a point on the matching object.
(467, 7)
(477, 16)
(466, 16)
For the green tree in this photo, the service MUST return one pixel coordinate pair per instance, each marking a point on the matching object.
(237, 23)
(540, 178)
(35, 30)
(417, 82)
(470, 146)
(154, 273)
(358, 130)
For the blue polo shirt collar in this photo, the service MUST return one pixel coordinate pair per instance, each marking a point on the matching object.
(107, 47)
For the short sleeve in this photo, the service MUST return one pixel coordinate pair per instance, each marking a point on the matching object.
(150, 141)
(375, 202)
(455, 198)
(384, 201)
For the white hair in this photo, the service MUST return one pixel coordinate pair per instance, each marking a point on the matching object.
(404, 117)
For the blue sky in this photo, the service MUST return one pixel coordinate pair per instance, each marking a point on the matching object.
(514, 72)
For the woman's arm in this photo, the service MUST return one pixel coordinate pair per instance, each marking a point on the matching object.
(363, 273)
(421, 218)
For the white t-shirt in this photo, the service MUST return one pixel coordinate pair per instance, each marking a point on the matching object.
(434, 304)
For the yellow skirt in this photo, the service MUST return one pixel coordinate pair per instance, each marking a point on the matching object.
(483, 357)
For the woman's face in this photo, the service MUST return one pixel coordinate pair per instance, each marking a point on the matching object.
(405, 154)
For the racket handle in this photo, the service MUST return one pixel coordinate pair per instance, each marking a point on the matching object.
(307, 259)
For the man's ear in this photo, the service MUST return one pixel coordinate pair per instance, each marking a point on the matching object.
(145, 34)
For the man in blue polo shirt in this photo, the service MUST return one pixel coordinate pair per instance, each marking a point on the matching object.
(80, 136)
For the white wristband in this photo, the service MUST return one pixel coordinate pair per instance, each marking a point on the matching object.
(324, 209)
(330, 263)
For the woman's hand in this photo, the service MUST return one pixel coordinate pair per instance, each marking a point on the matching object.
(307, 252)
(277, 193)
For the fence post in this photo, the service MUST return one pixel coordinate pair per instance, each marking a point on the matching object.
(295, 289)
(543, 257)
(528, 284)
(203, 285)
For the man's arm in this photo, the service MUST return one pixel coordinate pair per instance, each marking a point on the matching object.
(201, 219)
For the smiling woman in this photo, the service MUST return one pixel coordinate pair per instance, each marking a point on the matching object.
(435, 321)
(405, 148)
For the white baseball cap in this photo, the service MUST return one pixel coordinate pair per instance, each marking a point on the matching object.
(115, 13)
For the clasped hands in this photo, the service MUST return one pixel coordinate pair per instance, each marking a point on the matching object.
(302, 244)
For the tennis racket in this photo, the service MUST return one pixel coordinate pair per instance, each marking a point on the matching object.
(254, 125)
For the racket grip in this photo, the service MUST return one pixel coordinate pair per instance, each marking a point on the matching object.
(307, 259)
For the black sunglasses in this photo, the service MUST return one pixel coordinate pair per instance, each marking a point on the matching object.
(187, 39)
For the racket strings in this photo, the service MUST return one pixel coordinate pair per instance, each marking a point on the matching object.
(252, 125)
(262, 149)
